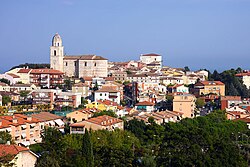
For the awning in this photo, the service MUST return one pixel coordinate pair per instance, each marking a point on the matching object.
(23, 135)
(25, 143)
(23, 126)
(51, 123)
(59, 122)
(8, 129)
(32, 125)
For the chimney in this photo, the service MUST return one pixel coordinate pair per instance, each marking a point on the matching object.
(14, 120)
(29, 118)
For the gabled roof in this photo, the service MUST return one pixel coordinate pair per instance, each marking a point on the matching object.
(150, 54)
(11, 149)
(13, 75)
(107, 89)
(243, 74)
(3, 84)
(84, 57)
(144, 103)
(45, 116)
(208, 83)
(24, 70)
(46, 71)
(103, 120)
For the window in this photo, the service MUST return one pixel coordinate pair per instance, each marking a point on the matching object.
(100, 94)
(75, 63)
(85, 63)
(66, 64)
(95, 64)
(57, 44)
(54, 52)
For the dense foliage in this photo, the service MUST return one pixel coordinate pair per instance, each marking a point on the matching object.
(32, 66)
(234, 85)
(203, 141)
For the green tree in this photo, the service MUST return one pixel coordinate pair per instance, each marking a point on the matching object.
(5, 81)
(6, 100)
(200, 103)
(186, 68)
(24, 94)
(47, 161)
(4, 137)
(87, 149)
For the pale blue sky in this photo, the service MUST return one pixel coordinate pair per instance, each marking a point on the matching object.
(212, 34)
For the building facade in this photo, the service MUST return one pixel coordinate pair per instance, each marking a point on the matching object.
(76, 66)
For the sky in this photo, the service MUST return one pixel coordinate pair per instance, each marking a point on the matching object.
(211, 34)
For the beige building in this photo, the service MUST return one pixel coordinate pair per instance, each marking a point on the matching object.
(208, 87)
(19, 156)
(82, 88)
(104, 122)
(245, 78)
(79, 115)
(154, 60)
(185, 103)
(76, 66)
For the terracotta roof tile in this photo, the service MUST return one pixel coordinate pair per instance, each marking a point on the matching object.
(24, 70)
(45, 116)
(11, 149)
(46, 71)
(144, 103)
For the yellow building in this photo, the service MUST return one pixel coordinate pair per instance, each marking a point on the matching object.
(208, 87)
(79, 115)
(185, 103)
(103, 105)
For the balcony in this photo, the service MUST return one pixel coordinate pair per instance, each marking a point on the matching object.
(77, 132)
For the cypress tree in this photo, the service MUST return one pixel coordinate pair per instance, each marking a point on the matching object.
(87, 149)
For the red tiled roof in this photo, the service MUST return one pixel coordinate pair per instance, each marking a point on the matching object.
(46, 71)
(207, 83)
(3, 84)
(105, 119)
(84, 57)
(238, 98)
(107, 89)
(24, 70)
(45, 116)
(151, 54)
(11, 149)
(144, 103)
(13, 75)
(243, 74)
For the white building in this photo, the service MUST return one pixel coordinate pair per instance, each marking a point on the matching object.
(108, 93)
(152, 58)
(76, 66)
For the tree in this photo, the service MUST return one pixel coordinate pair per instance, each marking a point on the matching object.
(186, 68)
(199, 103)
(87, 149)
(24, 94)
(4, 137)
(6, 100)
(47, 161)
(5, 81)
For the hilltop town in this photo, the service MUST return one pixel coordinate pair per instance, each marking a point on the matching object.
(84, 94)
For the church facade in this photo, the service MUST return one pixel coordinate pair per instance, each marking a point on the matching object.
(76, 66)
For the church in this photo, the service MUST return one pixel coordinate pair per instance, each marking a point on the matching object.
(76, 65)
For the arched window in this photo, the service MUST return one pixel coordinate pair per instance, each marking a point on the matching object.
(57, 44)
(54, 52)
(95, 65)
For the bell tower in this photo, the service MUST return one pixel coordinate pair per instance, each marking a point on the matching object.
(56, 53)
